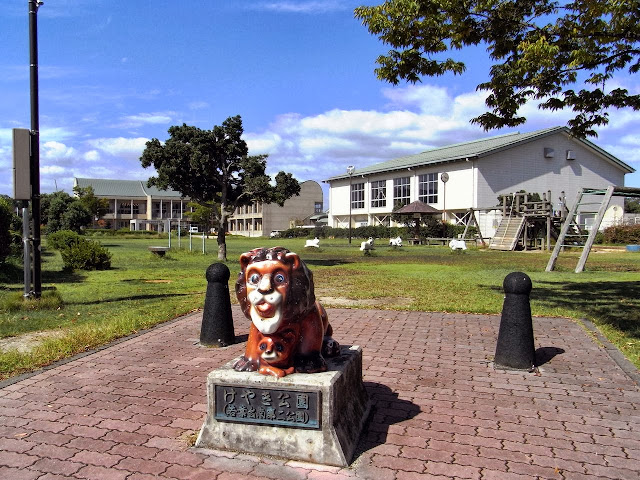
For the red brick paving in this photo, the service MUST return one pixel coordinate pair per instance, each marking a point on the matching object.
(441, 411)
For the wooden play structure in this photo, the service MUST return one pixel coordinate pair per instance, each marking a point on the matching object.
(572, 235)
(523, 217)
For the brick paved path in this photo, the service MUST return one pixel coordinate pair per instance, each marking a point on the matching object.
(129, 411)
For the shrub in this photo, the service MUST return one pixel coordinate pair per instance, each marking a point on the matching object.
(10, 241)
(85, 254)
(62, 239)
(622, 234)
(296, 233)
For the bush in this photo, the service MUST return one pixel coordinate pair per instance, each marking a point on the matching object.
(84, 254)
(10, 241)
(62, 239)
(622, 234)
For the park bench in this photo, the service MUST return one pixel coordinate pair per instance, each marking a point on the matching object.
(160, 251)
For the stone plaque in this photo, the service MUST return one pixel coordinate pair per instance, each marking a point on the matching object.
(313, 417)
(267, 406)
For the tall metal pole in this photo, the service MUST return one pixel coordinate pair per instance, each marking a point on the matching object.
(350, 170)
(35, 145)
(26, 241)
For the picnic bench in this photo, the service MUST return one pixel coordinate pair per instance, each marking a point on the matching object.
(160, 251)
(429, 241)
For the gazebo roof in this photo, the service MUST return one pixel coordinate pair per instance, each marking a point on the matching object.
(417, 207)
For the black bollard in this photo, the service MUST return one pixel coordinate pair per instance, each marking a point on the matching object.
(515, 348)
(217, 321)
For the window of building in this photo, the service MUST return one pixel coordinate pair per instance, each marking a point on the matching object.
(401, 191)
(124, 207)
(428, 188)
(317, 207)
(136, 208)
(379, 193)
(156, 210)
(357, 195)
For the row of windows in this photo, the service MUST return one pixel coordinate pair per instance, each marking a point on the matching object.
(257, 208)
(427, 191)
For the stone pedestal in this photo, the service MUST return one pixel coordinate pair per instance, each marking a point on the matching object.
(310, 417)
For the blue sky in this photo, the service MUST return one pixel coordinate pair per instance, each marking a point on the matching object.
(116, 73)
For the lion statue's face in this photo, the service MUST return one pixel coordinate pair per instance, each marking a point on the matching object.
(274, 286)
(267, 286)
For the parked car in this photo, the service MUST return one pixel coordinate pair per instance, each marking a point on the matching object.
(275, 233)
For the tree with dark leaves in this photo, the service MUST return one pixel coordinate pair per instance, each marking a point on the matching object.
(540, 50)
(214, 168)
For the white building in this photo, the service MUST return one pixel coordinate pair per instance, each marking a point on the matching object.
(134, 205)
(549, 160)
(259, 219)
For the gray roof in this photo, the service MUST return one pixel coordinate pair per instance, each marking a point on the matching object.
(103, 187)
(474, 149)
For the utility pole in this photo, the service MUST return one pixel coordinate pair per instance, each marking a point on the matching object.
(35, 145)
(350, 170)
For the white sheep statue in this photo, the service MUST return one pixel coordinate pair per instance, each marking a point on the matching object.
(367, 246)
(457, 245)
(395, 242)
(315, 243)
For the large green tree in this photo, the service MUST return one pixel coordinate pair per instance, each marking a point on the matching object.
(214, 168)
(540, 50)
(96, 206)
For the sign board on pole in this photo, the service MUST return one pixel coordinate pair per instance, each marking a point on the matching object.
(21, 164)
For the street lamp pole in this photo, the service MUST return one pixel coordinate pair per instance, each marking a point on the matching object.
(35, 145)
(350, 170)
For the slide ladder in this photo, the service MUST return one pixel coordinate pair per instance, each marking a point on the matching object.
(508, 233)
(571, 235)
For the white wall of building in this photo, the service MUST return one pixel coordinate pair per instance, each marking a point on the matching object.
(477, 182)
(457, 194)
(526, 168)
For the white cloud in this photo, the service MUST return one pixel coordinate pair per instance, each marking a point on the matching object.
(91, 156)
(52, 170)
(55, 134)
(56, 150)
(120, 146)
(302, 6)
(198, 105)
(157, 118)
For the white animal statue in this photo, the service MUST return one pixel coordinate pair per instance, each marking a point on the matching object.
(315, 243)
(367, 246)
(457, 245)
(395, 242)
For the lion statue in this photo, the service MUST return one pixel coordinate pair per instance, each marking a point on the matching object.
(290, 330)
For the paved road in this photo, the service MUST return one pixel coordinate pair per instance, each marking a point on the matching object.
(440, 409)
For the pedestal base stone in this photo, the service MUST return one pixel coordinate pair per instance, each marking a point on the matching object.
(326, 434)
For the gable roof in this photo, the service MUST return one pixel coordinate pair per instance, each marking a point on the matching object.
(475, 149)
(103, 187)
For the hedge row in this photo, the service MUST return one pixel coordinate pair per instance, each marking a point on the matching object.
(379, 231)
(623, 234)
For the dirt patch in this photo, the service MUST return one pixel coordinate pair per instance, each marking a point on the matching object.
(27, 342)
(365, 302)
(157, 281)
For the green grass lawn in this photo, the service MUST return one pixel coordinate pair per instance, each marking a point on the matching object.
(86, 309)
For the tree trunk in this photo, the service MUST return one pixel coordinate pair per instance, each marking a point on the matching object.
(222, 245)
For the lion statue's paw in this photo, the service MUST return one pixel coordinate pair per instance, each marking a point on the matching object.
(330, 348)
(312, 363)
(245, 365)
